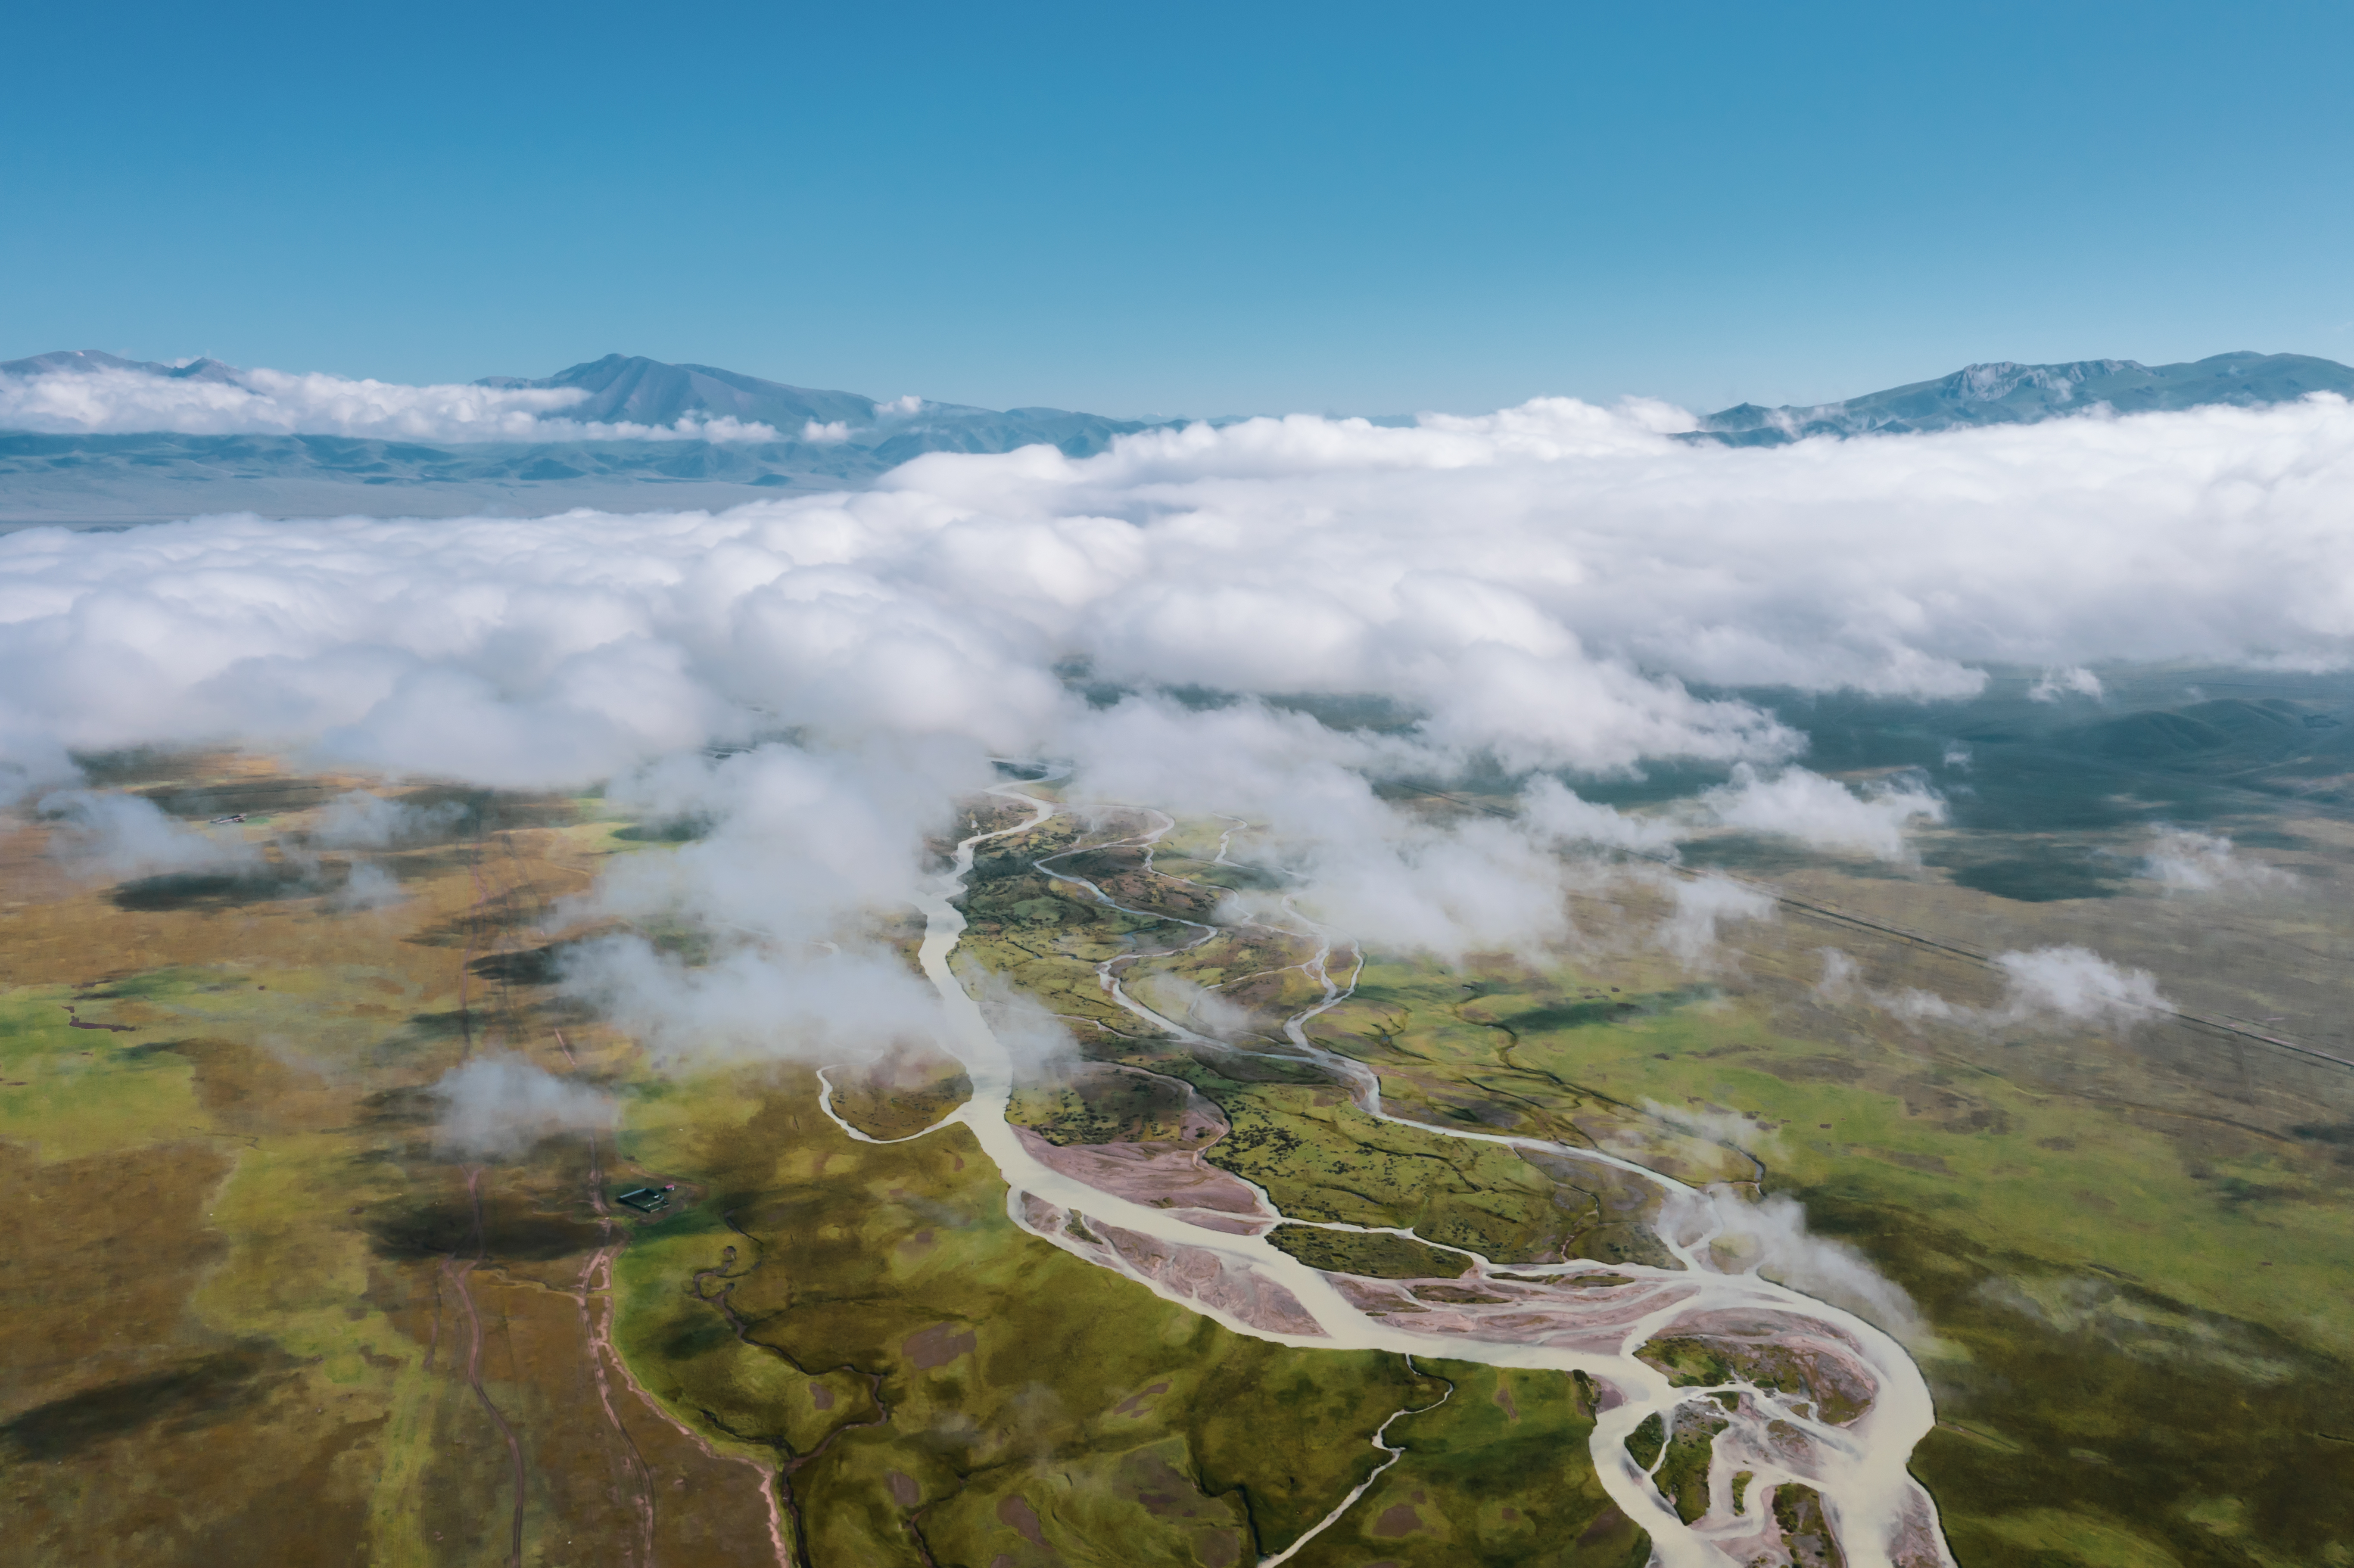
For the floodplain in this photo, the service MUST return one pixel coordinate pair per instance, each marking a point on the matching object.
(244, 1263)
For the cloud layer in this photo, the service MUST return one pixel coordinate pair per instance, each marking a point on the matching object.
(108, 401)
(1539, 583)
(1557, 587)
(496, 1107)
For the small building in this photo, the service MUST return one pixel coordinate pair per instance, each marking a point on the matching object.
(645, 1199)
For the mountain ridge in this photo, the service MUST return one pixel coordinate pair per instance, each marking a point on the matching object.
(2005, 392)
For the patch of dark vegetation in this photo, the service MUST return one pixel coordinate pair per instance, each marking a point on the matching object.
(496, 813)
(1683, 1475)
(452, 1025)
(668, 831)
(1096, 1106)
(1586, 1014)
(2336, 1132)
(1805, 1533)
(133, 765)
(1099, 866)
(161, 982)
(532, 965)
(179, 891)
(504, 1233)
(2042, 879)
(1374, 1256)
(192, 1394)
(243, 797)
(996, 865)
(1757, 856)
(1237, 1068)
(407, 1106)
(1700, 1361)
(1646, 1441)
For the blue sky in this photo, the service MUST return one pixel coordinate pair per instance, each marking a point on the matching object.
(1208, 208)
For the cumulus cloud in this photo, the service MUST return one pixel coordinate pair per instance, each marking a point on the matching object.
(2074, 681)
(1587, 568)
(1032, 1037)
(498, 1106)
(1551, 589)
(2077, 985)
(105, 833)
(1839, 980)
(1556, 813)
(751, 1005)
(1770, 1238)
(360, 819)
(1477, 887)
(2186, 862)
(1190, 1005)
(1703, 904)
(2042, 987)
(1822, 813)
(101, 401)
(368, 886)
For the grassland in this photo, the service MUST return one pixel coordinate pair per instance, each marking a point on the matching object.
(2133, 1313)
(987, 1397)
(2125, 1246)
(245, 1269)
(249, 1300)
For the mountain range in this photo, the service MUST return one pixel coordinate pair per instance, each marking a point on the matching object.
(833, 439)
(825, 441)
(2007, 394)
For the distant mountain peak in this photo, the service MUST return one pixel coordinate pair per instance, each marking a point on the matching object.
(2004, 392)
(630, 388)
(92, 361)
(2000, 378)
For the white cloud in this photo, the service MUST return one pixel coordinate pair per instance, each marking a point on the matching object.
(1822, 813)
(2186, 862)
(105, 833)
(1770, 1238)
(1586, 566)
(2074, 681)
(2077, 985)
(1839, 970)
(2042, 987)
(1703, 904)
(1556, 812)
(272, 402)
(359, 819)
(1194, 1005)
(498, 1106)
(1559, 586)
(753, 1005)
(368, 886)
